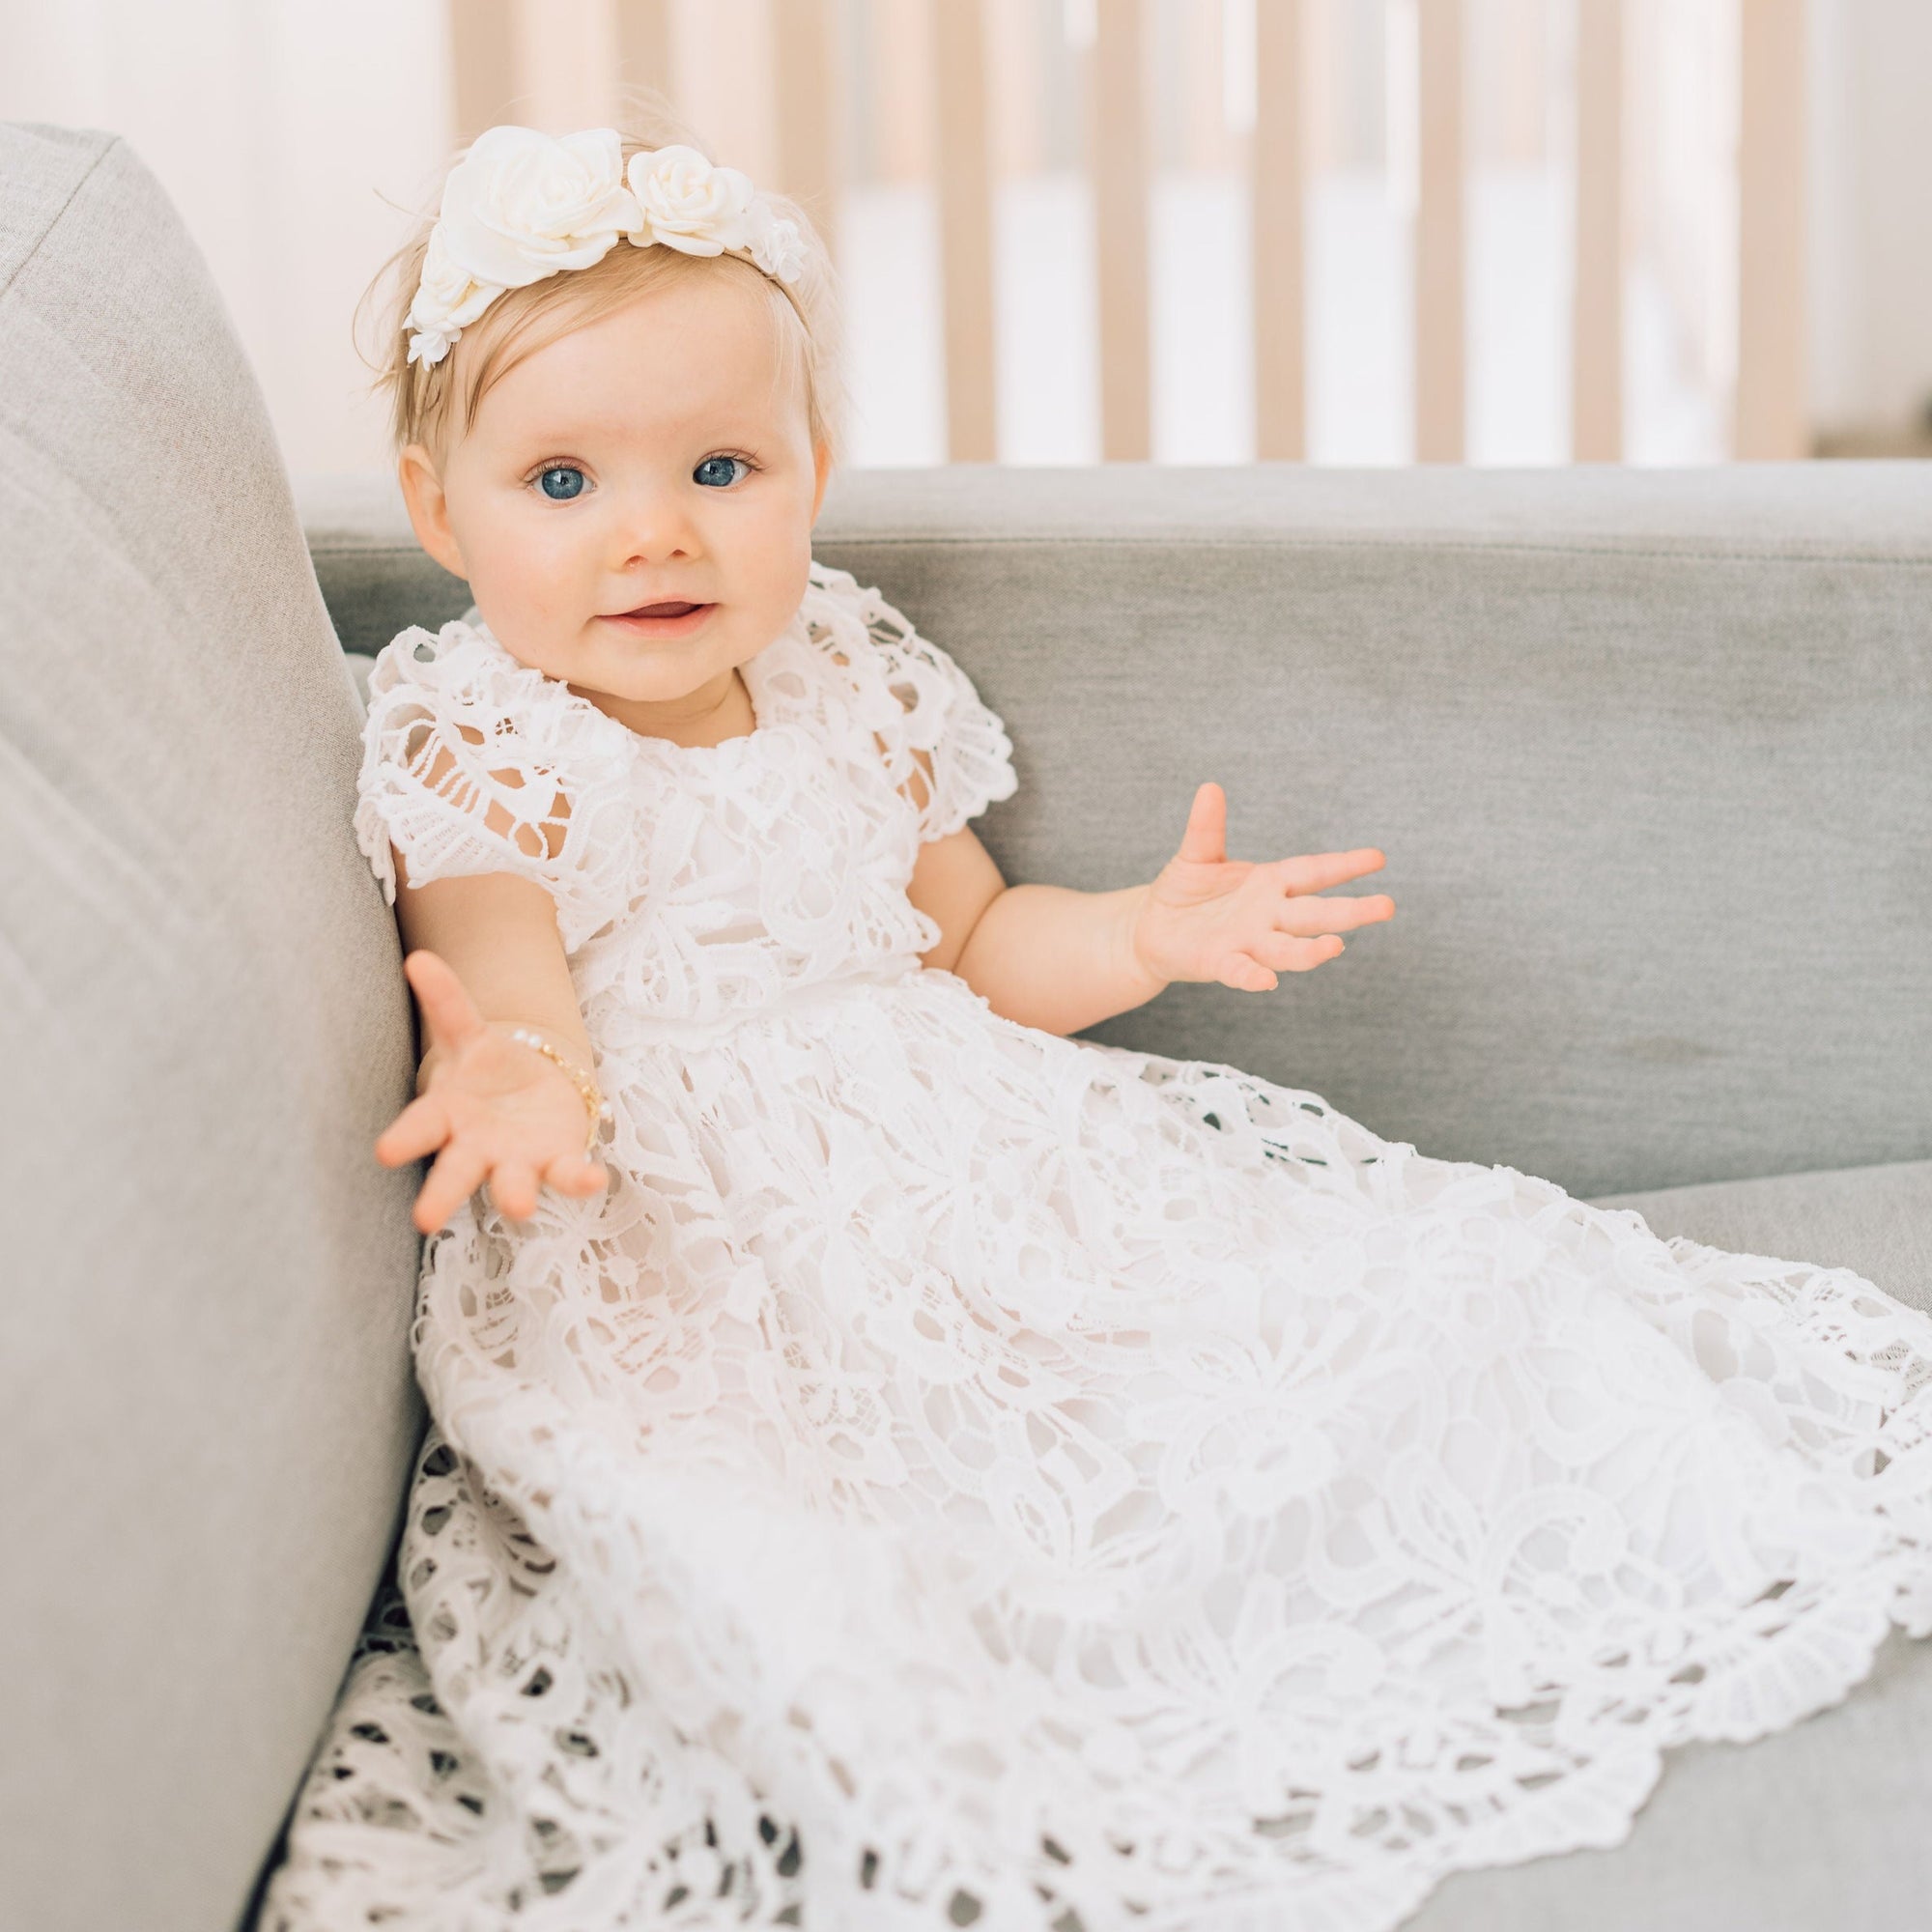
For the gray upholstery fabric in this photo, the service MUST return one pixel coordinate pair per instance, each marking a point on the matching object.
(1877, 1221)
(205, 1407)
(1646, 751)
(1817, 1829)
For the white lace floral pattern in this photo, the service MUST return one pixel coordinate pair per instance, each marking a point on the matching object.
(964, 1476)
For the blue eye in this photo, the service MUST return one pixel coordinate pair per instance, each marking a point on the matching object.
(720, 472)
(561, 483)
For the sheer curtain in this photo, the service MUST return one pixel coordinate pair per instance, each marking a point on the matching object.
(277, 129)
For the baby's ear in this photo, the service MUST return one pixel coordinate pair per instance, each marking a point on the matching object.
(428, 506)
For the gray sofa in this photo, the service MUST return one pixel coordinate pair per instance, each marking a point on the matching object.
(1648, 752)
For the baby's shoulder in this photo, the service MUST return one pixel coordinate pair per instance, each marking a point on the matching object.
(473, 762)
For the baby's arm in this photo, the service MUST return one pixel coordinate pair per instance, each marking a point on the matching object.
(1051, 957)
(485, 958)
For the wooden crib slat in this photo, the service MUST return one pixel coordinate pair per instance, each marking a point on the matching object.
(1771, 419)
(1596, 320)
(1439, 319)
(804, 79)
(1120, 175)
(645, 47)
(482, 50)
(1278, 184)
(964, 167)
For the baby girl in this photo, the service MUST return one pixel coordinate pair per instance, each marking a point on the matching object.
(639, 543)
(893, 1463)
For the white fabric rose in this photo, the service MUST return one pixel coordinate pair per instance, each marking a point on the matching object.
(522, 205)
(447, 299)
(689, 205)
(775, 242)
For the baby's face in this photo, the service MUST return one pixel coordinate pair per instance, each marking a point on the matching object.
(632, 503)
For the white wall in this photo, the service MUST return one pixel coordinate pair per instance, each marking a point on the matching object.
(275, 126)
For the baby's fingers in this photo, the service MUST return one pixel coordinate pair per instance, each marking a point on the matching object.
(457, 1174)
(1247, 975)
(513, 1187)
(1316, 872)
(1307, 915)
(571, 1174)
(1291, 953)
(448, 1011)
(421, 1128)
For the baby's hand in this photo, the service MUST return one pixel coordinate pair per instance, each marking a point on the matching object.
(1209, 917)
(498, 1110)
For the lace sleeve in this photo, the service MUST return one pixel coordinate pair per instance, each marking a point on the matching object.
(947, 752)
(472, 762)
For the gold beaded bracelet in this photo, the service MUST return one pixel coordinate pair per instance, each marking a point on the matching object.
(594, 1103)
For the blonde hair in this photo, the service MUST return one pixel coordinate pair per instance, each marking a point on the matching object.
(434, 404)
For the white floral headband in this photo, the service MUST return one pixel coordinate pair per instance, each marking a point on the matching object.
(521, 206)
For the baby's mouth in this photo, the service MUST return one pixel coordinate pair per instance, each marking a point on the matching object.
(668, 619)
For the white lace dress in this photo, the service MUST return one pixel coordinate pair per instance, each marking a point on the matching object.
(963, 1475)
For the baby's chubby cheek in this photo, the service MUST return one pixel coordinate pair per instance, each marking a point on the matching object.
(777, 573)
(536, 615)
(770, 603)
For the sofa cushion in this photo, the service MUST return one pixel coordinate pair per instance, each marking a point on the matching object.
(1817, 1829)
(1877, 1221)
(206, 1405)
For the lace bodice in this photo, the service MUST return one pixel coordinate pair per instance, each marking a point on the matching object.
(692, 882)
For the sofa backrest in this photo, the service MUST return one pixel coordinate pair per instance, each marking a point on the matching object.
(206, 1405)
(1648, 754)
